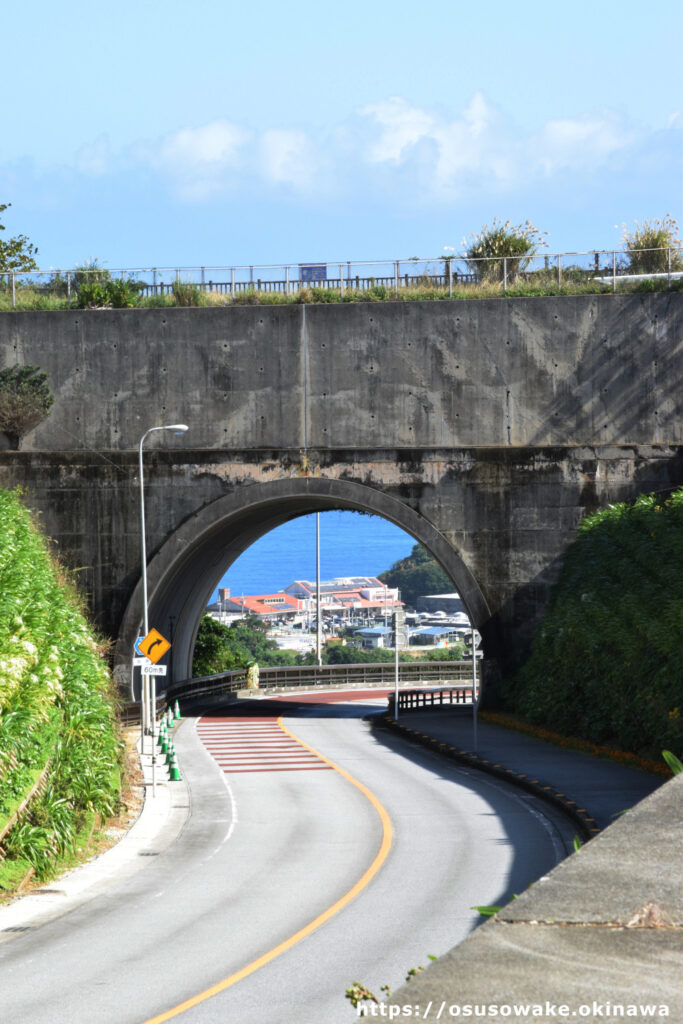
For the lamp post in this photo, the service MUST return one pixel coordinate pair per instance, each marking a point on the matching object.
(145, 715)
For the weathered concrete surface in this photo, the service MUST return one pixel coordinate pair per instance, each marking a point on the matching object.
(486, 429)
(606, 925)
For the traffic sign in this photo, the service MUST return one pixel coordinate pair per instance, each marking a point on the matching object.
(137, 662)
(153, 670)
(136, 646)
(154, 646)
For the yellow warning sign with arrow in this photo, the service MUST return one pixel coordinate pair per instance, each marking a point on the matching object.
(154, 646)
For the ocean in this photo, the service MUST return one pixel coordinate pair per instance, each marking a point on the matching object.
(350, 545)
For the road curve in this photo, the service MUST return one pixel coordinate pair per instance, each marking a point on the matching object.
(266, 853)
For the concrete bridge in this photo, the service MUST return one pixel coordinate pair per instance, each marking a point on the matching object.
(486, 429)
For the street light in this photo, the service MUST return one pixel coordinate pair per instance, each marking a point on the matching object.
(177, 428)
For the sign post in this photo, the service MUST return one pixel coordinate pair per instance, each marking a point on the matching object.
(151, 649)
(475, 696)
(399, 640)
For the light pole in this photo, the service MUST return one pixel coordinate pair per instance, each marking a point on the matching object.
(145, 715)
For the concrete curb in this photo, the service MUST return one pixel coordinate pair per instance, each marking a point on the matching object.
(159, 823)
(586, 825)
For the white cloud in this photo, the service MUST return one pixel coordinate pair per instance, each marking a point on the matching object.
(95, 159)
(199, 161)
(392, 149)
(481, 148)
(582, 141)
(288, 158)
(401, 127)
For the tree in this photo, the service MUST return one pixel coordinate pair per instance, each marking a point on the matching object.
(416, 575)
(16, 253)
(653, 247)
(25, 400)
(485, 252)
(220, 648)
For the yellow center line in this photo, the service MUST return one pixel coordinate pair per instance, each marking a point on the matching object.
(276, 951)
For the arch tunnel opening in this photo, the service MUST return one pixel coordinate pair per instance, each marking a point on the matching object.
(188, 566)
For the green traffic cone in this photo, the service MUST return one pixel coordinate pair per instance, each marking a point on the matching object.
(170, 751)
(176, 711)
(169, 718)
(174, 775)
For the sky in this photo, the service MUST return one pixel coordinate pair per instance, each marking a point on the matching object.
(218, 133)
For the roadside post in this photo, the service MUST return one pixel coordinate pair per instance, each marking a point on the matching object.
(399, 640)
(153, 647)
(475, 696)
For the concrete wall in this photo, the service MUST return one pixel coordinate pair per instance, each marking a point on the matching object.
(485, 428)
(574, 370)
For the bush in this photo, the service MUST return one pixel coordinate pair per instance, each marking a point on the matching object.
(95, 287)
(605, 665)
(650, 246)
(484, 254)
(187, 294)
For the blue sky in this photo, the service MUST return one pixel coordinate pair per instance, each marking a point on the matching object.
(219, 133)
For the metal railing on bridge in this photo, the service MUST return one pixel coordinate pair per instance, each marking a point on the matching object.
(377, 279)
(371, 674)
(413, 700)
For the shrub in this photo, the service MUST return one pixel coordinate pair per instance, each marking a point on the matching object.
(122, 294)
(187, 294)
(605, 664)
(485, 252)
(25, 400)
(650, 246)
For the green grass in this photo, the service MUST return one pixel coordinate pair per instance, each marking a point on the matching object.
(56, 700)
(186, 294)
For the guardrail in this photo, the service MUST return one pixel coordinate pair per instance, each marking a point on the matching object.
(130, 712)
(366, 674)
(606, 267)
(411, 700)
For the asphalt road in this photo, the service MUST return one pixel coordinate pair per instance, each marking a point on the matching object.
(267, 851)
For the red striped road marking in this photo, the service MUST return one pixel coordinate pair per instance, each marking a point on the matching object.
(241, 744)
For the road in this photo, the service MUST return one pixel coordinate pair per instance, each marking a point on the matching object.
(290, 880)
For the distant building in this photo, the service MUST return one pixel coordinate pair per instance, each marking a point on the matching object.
(435, 636)
(269, 607)
(377, 636)
(357, 597)
(363, 597)
(449, 603)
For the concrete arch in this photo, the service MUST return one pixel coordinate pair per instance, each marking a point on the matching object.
(187, 567)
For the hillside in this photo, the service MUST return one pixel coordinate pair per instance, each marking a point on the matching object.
(59, 742)
(417, 574)
(606, 663)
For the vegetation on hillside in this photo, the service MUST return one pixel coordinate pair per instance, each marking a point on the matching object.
(127, 294)
(220, 648)
(606, 663)
(417, 574)
(57, 710)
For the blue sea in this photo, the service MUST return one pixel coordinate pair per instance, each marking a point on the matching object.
(350, 545)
